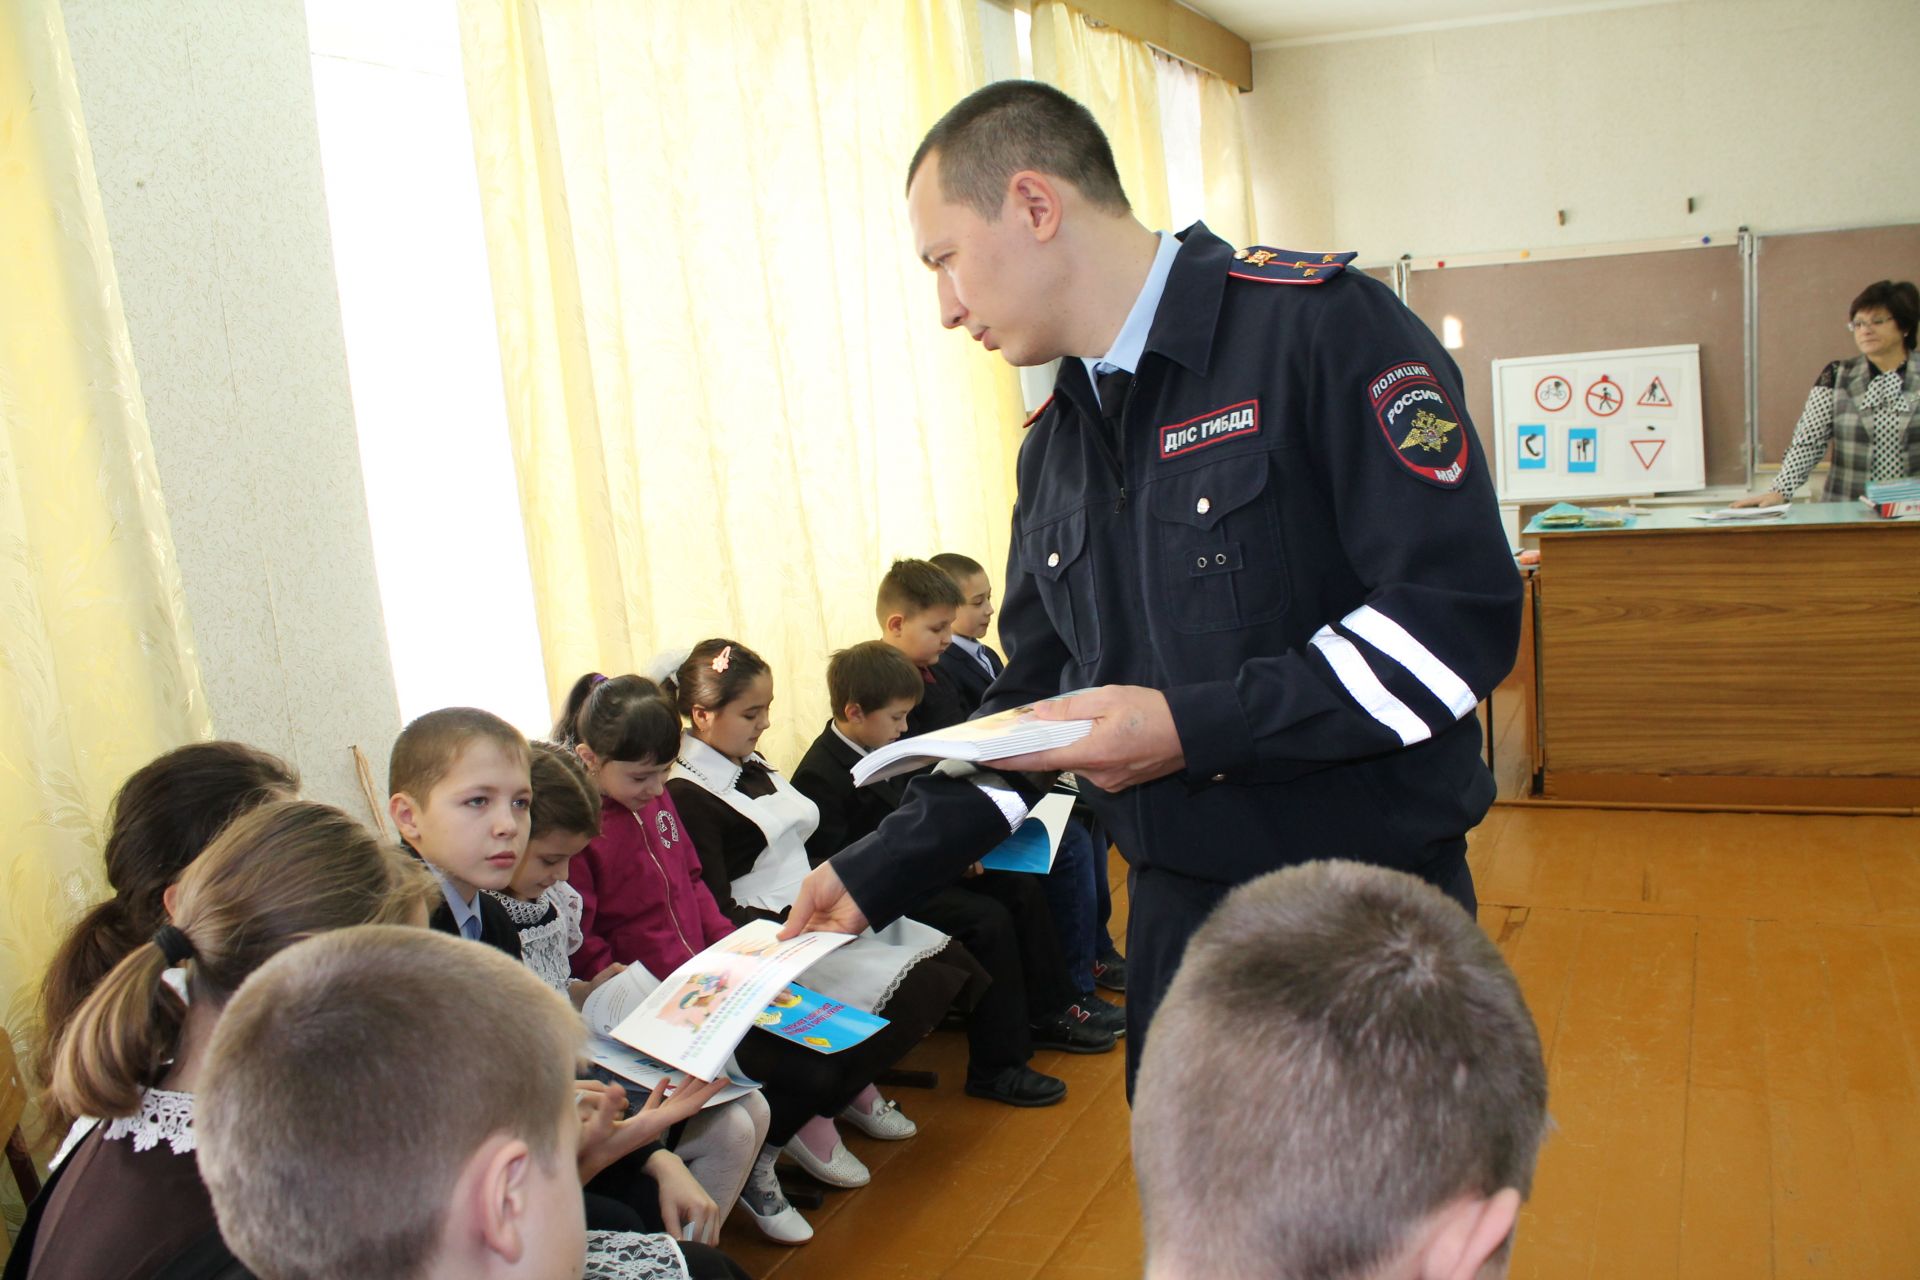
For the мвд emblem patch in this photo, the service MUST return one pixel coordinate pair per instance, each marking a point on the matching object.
(1420, 424)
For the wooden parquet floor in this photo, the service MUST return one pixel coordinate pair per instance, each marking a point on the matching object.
(1730, 1008)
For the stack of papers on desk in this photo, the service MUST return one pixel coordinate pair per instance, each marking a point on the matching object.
(1727, 515)
(1565, 515)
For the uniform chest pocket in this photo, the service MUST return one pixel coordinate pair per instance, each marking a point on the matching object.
(1055, 555)
(1216, 546)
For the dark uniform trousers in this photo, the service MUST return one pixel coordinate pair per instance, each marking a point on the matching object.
(1291, 531)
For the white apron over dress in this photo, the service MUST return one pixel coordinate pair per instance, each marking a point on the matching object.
(864, 973)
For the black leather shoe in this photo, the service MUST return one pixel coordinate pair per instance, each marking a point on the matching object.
(1071, 1031)
(1019, 1087)
(1111, 973)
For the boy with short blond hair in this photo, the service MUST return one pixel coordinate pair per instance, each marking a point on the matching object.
(322, 1163)
(460, 790)
(915, 607)
(1392, 1125)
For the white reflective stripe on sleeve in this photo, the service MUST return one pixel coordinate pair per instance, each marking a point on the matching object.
(1358, 677)
(1394, 640)
(1006, 799)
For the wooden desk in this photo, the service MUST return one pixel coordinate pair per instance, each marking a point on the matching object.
(1773, 664)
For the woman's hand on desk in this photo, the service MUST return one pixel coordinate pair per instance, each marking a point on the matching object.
(1771, 498)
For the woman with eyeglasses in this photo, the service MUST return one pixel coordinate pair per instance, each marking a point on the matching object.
(1868, 407)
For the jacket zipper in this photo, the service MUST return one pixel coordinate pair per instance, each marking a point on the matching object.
(666, 883)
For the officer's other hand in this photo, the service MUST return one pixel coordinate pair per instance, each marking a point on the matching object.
(1771, 498)
(823, 905)
(1133, 738)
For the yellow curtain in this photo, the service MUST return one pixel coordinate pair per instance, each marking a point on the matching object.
(1228, 185)
(1114, 76)
(730, 399)
(97, 673)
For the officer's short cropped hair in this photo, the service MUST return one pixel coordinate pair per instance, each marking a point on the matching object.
(869, 675)
(1901, 300)
(319, 1158)
(1011, 125)
(1342, 1053)
(912, 587)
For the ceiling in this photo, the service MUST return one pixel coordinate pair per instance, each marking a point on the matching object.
(1261, 22)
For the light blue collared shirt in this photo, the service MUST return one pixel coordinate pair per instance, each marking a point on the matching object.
(1131, 341)
(972, 648)
(463, 911)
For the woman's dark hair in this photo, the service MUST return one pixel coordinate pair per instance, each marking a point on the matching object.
(622, 718)
(714, 674)
(162, 818)
(1902, 302)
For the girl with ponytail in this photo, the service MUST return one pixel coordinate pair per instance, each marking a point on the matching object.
(162, 817)
(128, 1202)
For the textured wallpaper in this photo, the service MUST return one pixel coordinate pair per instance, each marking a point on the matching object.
(202, 122)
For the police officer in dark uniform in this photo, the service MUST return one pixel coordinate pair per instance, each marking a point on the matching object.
(1258, 529)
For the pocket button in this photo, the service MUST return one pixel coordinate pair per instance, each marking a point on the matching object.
(1053, 560)
(1203, 506)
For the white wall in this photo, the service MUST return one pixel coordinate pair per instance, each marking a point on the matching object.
(201, 117)
(1776, 114)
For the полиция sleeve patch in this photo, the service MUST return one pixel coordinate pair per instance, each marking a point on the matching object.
(1422, 428)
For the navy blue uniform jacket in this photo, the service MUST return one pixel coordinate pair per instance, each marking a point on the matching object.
(1298, 542)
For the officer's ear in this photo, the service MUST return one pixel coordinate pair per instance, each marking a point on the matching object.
(1035, 198)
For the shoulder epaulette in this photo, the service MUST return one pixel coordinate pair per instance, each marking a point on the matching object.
(1035, 415)
(1287, 266)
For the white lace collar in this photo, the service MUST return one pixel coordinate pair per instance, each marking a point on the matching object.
(163, 1116)
(708, 767)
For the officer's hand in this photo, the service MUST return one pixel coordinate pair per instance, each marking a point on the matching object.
(823, 905)
(1771, 498)
(1133, 738)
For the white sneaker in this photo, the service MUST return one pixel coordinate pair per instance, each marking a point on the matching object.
(884, 1121)
(780, 1222)
(842, 1169)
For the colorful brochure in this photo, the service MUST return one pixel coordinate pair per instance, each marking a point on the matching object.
(1032, 846)
(694, 1019)
(806, 1017)
(635, 1069)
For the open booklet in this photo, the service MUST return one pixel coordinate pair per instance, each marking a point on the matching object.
(1009, 733)
(694, 1019)
(1034, 843)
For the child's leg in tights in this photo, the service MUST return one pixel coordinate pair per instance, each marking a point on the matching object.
(720, 1143)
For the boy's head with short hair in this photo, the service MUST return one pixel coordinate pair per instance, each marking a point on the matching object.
(1391, 1126)
(322, 1157)
(915, 608)
(873, 689)
(459, 793)
(976, 594)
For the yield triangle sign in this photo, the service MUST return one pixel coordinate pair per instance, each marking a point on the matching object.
(1647, 451)
(1656, 396)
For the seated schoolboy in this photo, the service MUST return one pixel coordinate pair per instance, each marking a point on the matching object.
(462, 794)
(322, 1163)
(459, 793)
(1001, 918)
(1342, 1083)
(916, 605)
(969, 667)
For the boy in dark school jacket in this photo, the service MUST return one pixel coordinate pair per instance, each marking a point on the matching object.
(460, 791)
(1001, 918)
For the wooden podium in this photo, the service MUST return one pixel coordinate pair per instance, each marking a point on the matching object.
(1771, 665)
